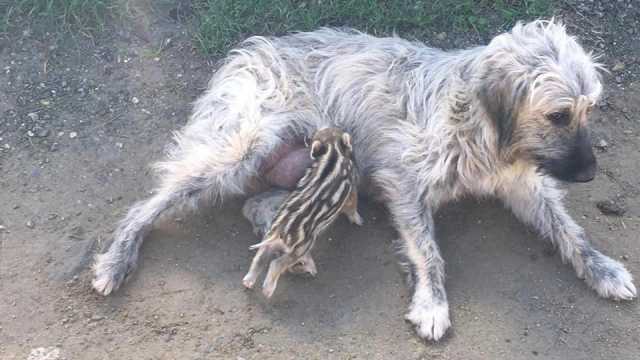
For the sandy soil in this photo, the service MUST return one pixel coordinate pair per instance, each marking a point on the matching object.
(81, 119)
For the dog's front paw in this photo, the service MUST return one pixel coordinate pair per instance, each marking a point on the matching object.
(431, 320)
(608, 277)
(109, 274)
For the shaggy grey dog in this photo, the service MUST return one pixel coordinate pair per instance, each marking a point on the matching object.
(428, 126)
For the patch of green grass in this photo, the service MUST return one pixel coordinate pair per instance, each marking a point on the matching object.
(56, 15)
(219, 24)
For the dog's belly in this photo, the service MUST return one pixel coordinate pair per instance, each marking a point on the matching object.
(285, 165)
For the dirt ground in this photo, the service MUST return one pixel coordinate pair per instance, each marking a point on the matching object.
(81, 119)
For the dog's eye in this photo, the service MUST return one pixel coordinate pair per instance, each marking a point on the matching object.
(560, 118)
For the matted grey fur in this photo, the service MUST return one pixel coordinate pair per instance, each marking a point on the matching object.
(428, 126)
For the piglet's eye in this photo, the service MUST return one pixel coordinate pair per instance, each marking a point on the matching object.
(318, 149)
(559, 118)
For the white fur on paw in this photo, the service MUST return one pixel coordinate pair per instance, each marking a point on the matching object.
(431, 321)
(103, 283)
(610, 279)
(248, 281)
(106, 279)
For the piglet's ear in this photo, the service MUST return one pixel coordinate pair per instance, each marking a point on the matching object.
(318, 149)
(346, 140)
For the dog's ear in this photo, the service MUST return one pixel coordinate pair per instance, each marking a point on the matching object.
(502, 102)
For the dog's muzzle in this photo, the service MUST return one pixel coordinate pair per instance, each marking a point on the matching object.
(579, 163)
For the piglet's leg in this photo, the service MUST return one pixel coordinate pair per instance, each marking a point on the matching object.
(276, 269)
(266, 253)
(260, 211)
(350, 209)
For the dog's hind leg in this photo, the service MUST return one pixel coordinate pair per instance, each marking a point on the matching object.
(535, 200)
(203, 167)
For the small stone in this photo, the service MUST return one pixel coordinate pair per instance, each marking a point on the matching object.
(43, 133)
(96, 318)
(619, 79)
(602, 144)
(42, 353)
(119, 145)
(441, 36)
(45, 102)
(625, 257)
(135, 100)
(30, 224)
(619, 66)
(30, 133)
(610, 207)
(2, 228)
(33, 116)
(73, 135)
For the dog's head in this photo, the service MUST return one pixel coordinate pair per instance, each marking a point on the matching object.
(538, 88)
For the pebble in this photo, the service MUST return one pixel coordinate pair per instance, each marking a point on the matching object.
(119, 145)
(30, 224)
(602, 144)
(441, 36)
(73, 135)
(43, 133)
(610, 207)
(44, 353)
(619, 66)
(33, 116)
(135, 100)
(2, 228)
(96, 318)
(30, 133)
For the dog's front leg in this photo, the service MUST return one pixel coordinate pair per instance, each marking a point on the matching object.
(537, 201)
(429, 310)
